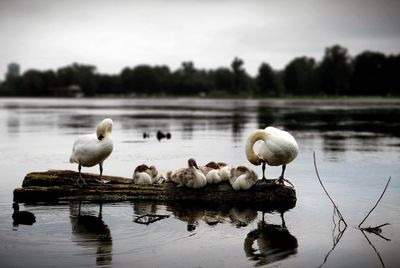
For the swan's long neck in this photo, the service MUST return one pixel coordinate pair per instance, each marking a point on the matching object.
(103, 133)
(104, 129)
(251, 140)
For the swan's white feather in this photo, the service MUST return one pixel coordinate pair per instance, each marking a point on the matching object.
(213, 176)
(142, 178)
(89, 151)
(278, 147)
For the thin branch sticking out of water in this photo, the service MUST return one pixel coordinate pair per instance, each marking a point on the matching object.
(384, 190)
(341, 219)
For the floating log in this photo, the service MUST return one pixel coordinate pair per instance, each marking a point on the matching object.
(60, 185)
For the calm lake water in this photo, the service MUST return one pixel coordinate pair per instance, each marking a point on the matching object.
(357, 145)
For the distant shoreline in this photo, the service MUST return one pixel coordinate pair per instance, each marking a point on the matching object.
(366, 99)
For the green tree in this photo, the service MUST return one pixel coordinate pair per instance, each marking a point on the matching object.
(392, 75)
(144, 80)
(108, 84)
(267, 81)
(299, 76)
(187, 80)
(222, 79)
(334, 71)
(126, 77)
(239, 76)
(163, 77)
(12, 86)
(368, 74)
(32, 84)
(78, 74)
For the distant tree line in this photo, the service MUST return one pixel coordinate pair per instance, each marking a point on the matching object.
(337, 74)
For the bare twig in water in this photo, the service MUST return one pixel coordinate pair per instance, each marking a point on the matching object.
(341, 219)
(376, 230)
(384, 190)
(335, 237)
(372, 245)
(149, 218)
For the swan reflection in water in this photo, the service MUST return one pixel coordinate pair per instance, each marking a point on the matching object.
(91, 232)
(275, 243)
(193, 215)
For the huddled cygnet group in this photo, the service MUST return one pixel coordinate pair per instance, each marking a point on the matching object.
(278, 148)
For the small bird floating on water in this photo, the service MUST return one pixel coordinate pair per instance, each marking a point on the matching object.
(278, 148)
(161, 135)
(92, 149)
(22, 217)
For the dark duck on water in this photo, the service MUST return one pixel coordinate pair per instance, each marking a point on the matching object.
(22, 217)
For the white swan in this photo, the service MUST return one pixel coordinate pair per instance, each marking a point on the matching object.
(242, 178)
(208, 167)
(92, 149)
(278, 148)
(191, 177)
(225, 172)
(213, 177)
(144, 174)
(222, 173)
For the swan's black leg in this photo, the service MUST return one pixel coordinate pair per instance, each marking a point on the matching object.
(100, 210)
(263, 181)
(79, 211)
(100, 180)
(101, 170)
(281, 178)
(263, 171)
(80, 178)
(283, 220)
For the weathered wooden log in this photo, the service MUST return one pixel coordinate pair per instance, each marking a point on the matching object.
(60, 185)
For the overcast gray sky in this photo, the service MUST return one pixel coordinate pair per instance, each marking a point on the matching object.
(48, 34)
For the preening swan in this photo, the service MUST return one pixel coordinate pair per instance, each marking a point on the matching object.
(191, 177)
(242, 178)
(92, 149)
(208, 167)
(211, 171)
(222, 173)
(144, 174)
(278, 148)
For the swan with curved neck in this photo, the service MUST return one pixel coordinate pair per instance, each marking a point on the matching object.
(92, 149)
(278, 148)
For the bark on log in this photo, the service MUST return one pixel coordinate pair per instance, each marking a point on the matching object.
(60, 185)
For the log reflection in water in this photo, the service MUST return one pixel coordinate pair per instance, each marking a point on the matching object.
(91, 232)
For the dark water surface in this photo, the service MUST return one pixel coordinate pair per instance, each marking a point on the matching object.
(357, 144)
